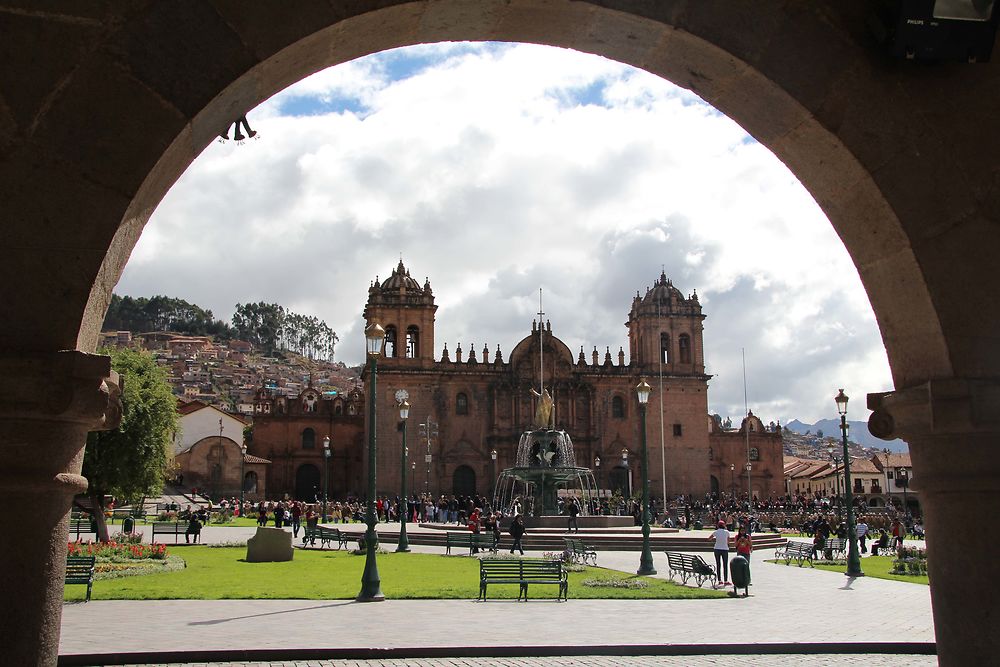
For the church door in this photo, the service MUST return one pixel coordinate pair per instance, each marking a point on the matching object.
(619, 481)
(307, 485)
(715, 486)
(464, 481)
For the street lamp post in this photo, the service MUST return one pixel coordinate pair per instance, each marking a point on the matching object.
(646, 560)
(732, 479)
(403, 545)
(832, 451)
(243, 480)
(888, 488)
(853, 555)
(628, 473)
(371, 584)
(493, 477)
(326, 473)
(597, 466)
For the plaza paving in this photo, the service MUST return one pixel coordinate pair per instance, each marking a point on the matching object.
(787, 605)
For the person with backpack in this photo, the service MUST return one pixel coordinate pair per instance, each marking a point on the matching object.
(516, 533)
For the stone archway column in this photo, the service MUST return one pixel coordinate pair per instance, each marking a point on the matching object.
(953, 429)
(48, 403)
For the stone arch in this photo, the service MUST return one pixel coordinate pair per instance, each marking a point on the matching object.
(900, 159)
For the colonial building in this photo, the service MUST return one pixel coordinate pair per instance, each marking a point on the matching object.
(754, 445)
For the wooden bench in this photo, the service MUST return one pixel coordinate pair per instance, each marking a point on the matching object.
(689, 567)
(78, 526)
(580, 552)
(470, 540)
(326, 536)
(80, 570)
(524, 572)
(168, 528)
(799, 551)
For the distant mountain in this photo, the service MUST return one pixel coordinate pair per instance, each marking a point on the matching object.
(859, 433)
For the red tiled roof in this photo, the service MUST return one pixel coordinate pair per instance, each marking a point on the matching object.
(250, 458)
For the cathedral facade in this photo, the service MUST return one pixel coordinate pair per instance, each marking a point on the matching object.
(467, 405)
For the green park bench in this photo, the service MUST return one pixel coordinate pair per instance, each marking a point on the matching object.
(80, 570)
(797, 551)
(524, 572)
(580, 552)
(686, 566)
(326, 537)
(469, 540)
(168, 528)
(81, 526)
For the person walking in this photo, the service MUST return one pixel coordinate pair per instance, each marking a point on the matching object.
(573, 511)
(721, 538)
(744, 545)
(862, 531)
(516, 533)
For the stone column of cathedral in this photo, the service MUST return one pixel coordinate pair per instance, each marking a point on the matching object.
(953, 430)
(48, 403)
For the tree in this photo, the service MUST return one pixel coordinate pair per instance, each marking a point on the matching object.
(132, 461)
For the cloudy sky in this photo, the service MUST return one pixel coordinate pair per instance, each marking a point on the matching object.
(497, 169)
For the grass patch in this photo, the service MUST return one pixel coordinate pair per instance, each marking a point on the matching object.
(873, 566)
(220, 574)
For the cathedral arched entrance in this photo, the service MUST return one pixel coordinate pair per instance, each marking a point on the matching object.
(715, 486)
(307, 485)
(902, 166)
(619, 480)
(463, 481)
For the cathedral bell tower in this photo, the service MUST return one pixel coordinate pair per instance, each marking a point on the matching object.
(406, 312)
(665, 328)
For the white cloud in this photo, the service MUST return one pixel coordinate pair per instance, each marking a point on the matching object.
(498, 169)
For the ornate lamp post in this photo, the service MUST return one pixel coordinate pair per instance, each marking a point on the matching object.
(853, 556)
(493, 476)
(646, 560)
(732, 479)
(628, 473)
(371, 584)
(832, 451)
(597, 466)
(243, 479)
(404, 544)
(326, 473)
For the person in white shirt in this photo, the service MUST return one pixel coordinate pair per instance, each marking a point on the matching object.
(862, 530)
(721, 549)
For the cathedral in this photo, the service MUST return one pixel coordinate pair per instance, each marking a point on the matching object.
(468, 408)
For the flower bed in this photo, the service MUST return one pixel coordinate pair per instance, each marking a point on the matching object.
(910, 561)
(118, 551)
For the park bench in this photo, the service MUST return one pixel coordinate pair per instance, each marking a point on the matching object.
(799, 551)
(80, 570)
(523, 571)
(688, 566)
(78, 526)
(326, 536)
(168, 528)
(470, 540)
(835, 547)
(580, 552)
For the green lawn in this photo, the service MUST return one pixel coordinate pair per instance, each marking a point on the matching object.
(220, 573)
(872, 566)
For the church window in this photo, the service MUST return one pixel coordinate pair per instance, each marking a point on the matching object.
(754, 454)
(678, 430)
(684, 343)
(618, 407)
(390, 342)
(412, 339)
(665, 348)
(461, 404)
(308, 439)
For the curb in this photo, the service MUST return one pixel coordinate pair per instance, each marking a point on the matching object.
(302, 654)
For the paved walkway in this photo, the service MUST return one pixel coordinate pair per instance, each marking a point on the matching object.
(610, 661)
(787, 604)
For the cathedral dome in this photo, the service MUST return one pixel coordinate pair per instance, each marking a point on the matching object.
(400, 279)
(663, 292)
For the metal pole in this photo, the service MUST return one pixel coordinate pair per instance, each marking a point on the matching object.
(371, 584)
(403, 545)
(326, 479)
(243, 481)
(646, 559)
(853, 555)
